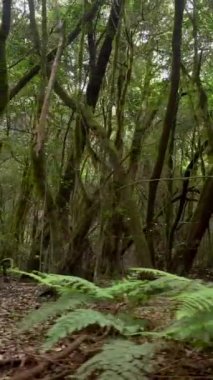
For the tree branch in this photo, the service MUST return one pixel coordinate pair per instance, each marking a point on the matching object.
(99, 70)
(33, 25)
(170, 116)
(88, 16)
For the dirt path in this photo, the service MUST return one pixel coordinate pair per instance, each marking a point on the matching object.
(19, 352)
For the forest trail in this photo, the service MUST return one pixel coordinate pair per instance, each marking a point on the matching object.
(19, 352)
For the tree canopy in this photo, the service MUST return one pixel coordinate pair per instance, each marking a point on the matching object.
(106, 134)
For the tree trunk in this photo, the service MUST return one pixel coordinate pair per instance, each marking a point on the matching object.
(4, 33)
(185, 186)
(79, 256)
(185, 256)
(170, 116)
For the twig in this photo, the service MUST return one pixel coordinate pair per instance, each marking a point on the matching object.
(36, 370)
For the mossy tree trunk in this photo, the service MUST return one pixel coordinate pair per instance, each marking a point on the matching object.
(4, 33)
(54, 252)
(184, 258)
(98, 66)
(168, 124)
(23, 205)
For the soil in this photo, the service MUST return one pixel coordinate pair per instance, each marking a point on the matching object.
(21, 357)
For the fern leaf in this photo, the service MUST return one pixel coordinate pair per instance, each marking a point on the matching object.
(193, 303)
(197, 330)
(121, 360)
(149, 272)
(51, 309)
(62, 283)
(125, 287)
(81, 318)
(140, 290)
(166, 284)
(193, 321)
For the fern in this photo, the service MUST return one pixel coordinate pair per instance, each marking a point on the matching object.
(120, 359)
(141, 290)
(196, 302)
(194, 307)
(166, 284)
(64, 283)
(197, 329)
(51, 309)
(194, 320)
(193, 303)
(126, 288)
(81, 318)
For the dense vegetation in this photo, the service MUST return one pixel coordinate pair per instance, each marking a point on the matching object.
(189, 304)
(106, 142)
(106, 135)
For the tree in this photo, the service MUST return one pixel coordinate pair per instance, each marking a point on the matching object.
(94, 88)
(4, 33)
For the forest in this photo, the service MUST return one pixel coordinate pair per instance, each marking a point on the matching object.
(106, 183)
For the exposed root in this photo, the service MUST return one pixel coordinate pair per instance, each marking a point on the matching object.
(46, 362)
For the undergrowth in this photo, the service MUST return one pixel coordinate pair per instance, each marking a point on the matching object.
(120, 358)
(74, 310)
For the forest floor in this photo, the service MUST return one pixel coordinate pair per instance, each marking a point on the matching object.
(20, 358)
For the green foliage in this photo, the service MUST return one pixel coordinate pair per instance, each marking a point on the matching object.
(194, 317)
(141, 60)
(123, 359)
(120, 359)
(196, 329)
(51, 309)
(192, 303)
(128, 288)
(195, 302)
(68, 283)
(81, 318)
(165, 283)
(152, 282)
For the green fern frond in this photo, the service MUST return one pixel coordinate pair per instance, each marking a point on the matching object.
(150, 272)
(125, 288)
(63, 283)
(142, 290)
(81, 318)
(51, 309)
(192, 303)
(193, 320)
(171, 286)
(166, 284)
(120, 359)
(197, 329)
(192, 299)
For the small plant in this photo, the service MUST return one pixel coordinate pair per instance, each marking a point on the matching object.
(120, 359)
(80, 319)
(67, 283)
(193, 306)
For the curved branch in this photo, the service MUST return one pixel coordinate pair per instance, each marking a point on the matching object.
(185, 256)
(99, 70)
(34, 28)
(185, 189)
(88, 16)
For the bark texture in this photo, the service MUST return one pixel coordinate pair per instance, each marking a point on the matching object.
(170, 116)
(4, 33)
